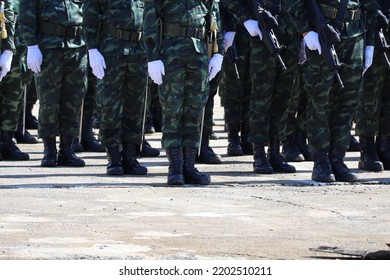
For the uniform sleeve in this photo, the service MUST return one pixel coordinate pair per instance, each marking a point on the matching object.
(28, 22)
(237, 9)
(151, 29)
(9, 43)
(91, 20)
(370, 7)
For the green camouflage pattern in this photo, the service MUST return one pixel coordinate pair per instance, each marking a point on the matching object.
(120, 98)
(330, 110)
(125, 15)
(185, 87)
(61, 12)
(61, 87)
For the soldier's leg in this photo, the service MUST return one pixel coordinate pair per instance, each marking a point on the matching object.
(74, 87)
(12, 96)
(318, 81)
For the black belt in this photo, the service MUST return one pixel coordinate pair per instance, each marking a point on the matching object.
(122, 34)
(176, 30)
(59, 30)
(330, 12)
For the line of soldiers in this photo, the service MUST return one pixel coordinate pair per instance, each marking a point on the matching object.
(279, 59)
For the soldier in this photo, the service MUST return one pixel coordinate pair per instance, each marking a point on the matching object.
(373, 117)
(271, 85)
(118, 60)
(236, 86)
(178, 62)
(56, 54)
(11, 92)
(330, 108)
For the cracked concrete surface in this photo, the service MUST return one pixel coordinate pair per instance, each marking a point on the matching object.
(80, 213)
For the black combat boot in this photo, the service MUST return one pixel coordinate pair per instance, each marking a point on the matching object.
(148, 150)
(191, 174)
(383, 148)
(114, 157)
(234, 147)
(290, 150)
(261, 164)
(340, 170)
(49, 152)
(301, 140)
(76, 146)
(207, 155)
(369, 159)
(275, 158)
(322, 170)
(66, 156)
(246, 145)
(149, 128)
(9, 150)
(26, 137)
(354, 145)
(130, 163)
(175, 170)
(31, 121)
(157, 118)
(88, 140)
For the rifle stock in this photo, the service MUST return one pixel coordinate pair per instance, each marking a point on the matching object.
(327, 37)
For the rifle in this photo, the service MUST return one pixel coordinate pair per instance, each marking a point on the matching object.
(383, 46)
(267, 22)
(327, 36)
(233, 53)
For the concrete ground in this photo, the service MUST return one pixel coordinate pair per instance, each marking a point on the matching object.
(81, 213)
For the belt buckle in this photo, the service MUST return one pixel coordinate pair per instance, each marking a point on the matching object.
(75, 30)
(139, 35)
(334, 13)
(353, 14)
(119, 33)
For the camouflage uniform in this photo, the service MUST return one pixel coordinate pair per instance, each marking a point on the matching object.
(236, 92)
(373, 117)
(120, 94)
(330, 109)
(10, 88)
(55, 26)
(271, 86)
(185, 87)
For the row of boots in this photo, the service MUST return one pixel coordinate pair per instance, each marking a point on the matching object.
(123, 160)
(182, 167)
(65, 156)
(8, 149)
(374, 155)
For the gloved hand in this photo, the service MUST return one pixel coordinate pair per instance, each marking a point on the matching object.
(97, 63)
(312, 42)
(228, 39)
(368, 57)
(34, 58)
(5, 63)
(156, 70)
(215, 65)
(252, 26)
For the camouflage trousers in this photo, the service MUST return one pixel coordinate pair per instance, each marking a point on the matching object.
(120, 98)
(61, 87)
(183, 94)
(373, 116)
(330, 109)
(271, 89)
(236, 91)
(11, 96)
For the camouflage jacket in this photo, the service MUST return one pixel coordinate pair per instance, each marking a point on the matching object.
(186, 13)
(118, 15)
(61, 13)
(9, 42)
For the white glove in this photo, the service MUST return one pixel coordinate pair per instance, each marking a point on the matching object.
(312, 42)
(228, 39)
(34, 58)
(368, 57)
(215, 65)
(5, 63)
(156, 70)
(97, 63)
(252, 26)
